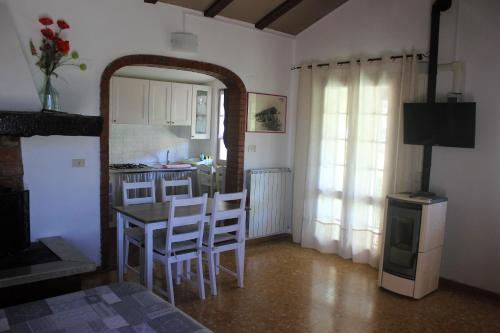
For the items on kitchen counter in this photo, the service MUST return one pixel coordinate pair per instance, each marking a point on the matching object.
(124, 166)
(177, 166)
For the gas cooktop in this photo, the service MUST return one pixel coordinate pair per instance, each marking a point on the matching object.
(128, 166)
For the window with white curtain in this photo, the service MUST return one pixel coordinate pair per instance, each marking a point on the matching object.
(353, 150)
(221, 147)
(333, 155)
(370, 155)
(350, 125)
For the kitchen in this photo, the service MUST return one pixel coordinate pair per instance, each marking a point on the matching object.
(166, 124)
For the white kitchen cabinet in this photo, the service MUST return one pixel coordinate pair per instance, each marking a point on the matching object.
(180, 114)
(129, 101)
(160, 102)
(201, 112)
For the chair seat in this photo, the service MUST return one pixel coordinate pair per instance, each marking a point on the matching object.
(220, 238)
(177, 247)
(136, 234)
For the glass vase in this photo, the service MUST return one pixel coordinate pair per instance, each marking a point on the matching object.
(49, 96)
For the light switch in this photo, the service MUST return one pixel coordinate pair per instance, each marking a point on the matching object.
(252, 148)
(78, 163)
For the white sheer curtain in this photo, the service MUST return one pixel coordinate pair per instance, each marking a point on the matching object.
(349, 154)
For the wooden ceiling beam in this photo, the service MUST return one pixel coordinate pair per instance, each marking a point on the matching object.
(151, 1)
(276, 13)
(216, 7)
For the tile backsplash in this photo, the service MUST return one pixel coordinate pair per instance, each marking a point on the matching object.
(148, 144)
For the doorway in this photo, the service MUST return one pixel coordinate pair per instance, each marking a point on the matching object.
(235, 102)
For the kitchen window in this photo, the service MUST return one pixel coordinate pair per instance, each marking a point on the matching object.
(221, 147)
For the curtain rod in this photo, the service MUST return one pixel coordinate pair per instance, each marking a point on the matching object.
(420, 56)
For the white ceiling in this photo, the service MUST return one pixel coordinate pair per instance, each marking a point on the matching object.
(163, 74)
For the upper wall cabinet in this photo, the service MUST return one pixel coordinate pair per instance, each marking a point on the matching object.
(160, 101)
(129, 101)
(181, 104)
(201, 107)
(137, 101)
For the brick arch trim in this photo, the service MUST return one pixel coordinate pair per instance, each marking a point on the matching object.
(234, 137)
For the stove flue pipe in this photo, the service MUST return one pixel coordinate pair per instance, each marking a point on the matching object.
(438, 7)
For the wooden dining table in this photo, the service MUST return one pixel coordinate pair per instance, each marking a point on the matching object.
(151, 217)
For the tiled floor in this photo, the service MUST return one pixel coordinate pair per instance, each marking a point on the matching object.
(291, 289)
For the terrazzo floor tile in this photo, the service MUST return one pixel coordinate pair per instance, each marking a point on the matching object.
(291, 289)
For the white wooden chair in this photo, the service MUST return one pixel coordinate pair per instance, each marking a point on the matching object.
(176, 246)
(143, 192)
(221, 238)
(173, 185)
(206, 179)
(167, 195)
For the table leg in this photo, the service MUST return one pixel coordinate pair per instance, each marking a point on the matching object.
(148, 256)
(119, 245)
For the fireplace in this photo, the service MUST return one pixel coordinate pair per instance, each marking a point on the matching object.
(14, 210)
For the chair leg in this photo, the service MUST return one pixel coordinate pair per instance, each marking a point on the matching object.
(201, 281)
(240, 262)
(188, 269)
(178, 273)
(170, 282)
(217, 263)
(211, 272)
(141, 264)
(126, 247)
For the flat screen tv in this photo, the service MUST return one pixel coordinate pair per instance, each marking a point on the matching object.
(440, 124)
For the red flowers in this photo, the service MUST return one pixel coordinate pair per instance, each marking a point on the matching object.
(54, 50)
(62, 24)
(63, 46)
(45, 20)
(48, 33)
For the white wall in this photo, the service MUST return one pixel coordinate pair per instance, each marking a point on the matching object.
(103, 31)
(17, 89)
(367, 28)
(468, 177)
(63, 200)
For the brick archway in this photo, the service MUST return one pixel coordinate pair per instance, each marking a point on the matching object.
(234, 136)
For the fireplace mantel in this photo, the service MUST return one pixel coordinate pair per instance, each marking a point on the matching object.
(27, 124)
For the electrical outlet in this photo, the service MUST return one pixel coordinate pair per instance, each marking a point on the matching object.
(252, 148)
(78, 163)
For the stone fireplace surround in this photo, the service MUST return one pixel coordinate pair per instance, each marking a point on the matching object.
(11, 165)
(14, 125)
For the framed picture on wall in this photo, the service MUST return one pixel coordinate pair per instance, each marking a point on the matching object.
(266, 113)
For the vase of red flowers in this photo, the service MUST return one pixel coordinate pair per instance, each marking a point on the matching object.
(52, 54)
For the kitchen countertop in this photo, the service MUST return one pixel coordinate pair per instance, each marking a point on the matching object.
(151, 169)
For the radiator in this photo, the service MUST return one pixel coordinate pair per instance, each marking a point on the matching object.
(270, 192)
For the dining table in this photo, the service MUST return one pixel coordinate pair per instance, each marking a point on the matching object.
(151, 217)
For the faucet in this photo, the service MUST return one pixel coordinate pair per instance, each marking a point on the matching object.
(168, 153)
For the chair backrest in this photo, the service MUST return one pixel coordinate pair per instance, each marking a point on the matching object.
(143, 192)
(173, 185)
(186, 212)
(206, 178)
(220, 178)
(225, 208)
